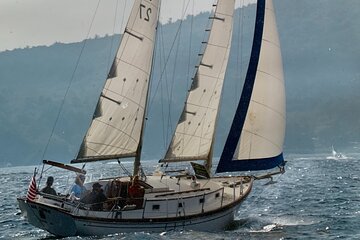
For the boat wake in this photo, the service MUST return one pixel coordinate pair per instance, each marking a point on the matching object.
(258, 224)
(269, 228)
(343, 157)
(311, 158)
(320, 157)
(338, 156)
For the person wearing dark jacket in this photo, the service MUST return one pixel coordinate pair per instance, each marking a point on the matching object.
(96, 198)
(48, 189)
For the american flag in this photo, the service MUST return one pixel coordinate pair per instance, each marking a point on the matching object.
(31, 193)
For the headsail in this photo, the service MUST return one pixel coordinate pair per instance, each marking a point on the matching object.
(256, 137)
(194, 134)
(116, 128)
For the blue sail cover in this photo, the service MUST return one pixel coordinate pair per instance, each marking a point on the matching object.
(256, 137)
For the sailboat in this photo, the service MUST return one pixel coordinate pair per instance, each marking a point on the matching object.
(176, 199)
(336, 155)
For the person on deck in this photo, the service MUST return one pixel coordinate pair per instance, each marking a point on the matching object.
(136, 193)
(48, 189)
(78, 190)
(96, 198)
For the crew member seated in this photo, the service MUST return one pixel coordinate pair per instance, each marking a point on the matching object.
(136, 193)
(96, 198)
(48, 189)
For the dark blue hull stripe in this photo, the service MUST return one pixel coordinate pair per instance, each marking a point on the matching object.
(254, 164)
(226, 161)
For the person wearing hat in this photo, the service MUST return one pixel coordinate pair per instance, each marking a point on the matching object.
(96, 198)
(78, 190)
(48, 189)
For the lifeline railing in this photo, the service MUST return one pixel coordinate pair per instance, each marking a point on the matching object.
(118, 211)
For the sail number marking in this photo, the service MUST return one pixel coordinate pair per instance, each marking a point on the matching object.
(147, 12)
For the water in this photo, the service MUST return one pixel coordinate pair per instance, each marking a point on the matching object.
(317, 198)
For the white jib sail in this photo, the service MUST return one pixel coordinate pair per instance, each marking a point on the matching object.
(194, 133)
(264, 127)
(117, 125)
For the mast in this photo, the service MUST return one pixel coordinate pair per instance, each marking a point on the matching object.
(117, 126)
(138, 151)
(255, 140)
(193, 138)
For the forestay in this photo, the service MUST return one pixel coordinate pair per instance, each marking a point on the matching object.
(194, 133)
(116, 129)
(255, 141)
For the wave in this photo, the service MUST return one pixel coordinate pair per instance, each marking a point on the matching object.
(266, 224)
(343, 157)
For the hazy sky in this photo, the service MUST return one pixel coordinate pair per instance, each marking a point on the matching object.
(43, 22)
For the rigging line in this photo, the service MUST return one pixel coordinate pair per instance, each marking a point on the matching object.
(161, 96)
(161, 47)
(41, 173)
(259, 195)
(71, 80)
(162, 57)
(202, 131)
(165, 134)
(113, 32)
(137, 163)
(239, 48)
(171, 87)
(203, 47)
(164, 69)
(111, 43)
(166, 62)
(118, 58)
(190, 46)
(123, 17)
(188, 82)
(171, 90)
(109, 64)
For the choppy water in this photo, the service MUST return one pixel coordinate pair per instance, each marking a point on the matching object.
(317, 198)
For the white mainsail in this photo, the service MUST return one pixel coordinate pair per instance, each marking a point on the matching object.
(116, 129)
(261, 111)
(194, 134)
